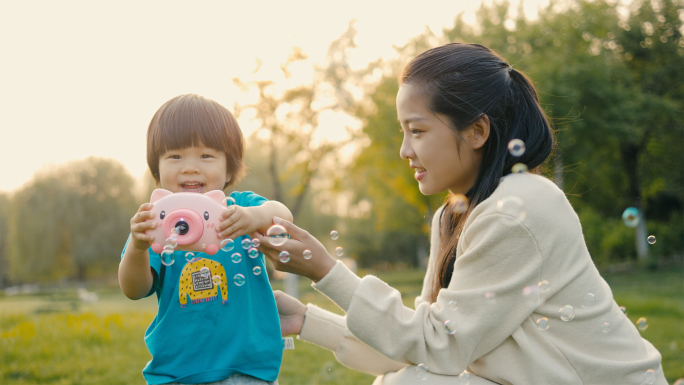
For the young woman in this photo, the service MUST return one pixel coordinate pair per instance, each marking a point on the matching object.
(511, 293)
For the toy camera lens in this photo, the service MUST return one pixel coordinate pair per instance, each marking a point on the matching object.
(206, 215)
(183, 227)
(162, 215)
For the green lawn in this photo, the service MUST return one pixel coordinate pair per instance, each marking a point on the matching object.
(57, 340)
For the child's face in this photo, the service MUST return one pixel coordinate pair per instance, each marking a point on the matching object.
(193, 169)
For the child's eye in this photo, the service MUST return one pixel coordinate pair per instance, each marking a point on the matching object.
(206, 156)
(174, 156)
(415, 132)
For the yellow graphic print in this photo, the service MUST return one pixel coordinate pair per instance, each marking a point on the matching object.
(201, 288)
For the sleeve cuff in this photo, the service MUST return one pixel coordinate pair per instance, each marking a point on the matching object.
(339, 285)
(322, 327)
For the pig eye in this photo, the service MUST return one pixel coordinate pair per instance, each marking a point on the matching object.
(206, 215)
(162, 215)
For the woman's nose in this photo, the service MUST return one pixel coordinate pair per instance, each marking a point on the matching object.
(406, 152)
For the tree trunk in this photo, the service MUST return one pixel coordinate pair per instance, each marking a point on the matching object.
(630, 160)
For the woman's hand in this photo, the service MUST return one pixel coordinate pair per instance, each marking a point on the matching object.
(291, 313)
(315, 268)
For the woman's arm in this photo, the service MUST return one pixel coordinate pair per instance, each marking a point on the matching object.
(328, 330)
(499, 255)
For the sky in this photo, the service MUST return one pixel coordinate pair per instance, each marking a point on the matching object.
(83, 78)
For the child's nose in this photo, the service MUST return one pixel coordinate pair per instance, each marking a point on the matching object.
(190, 168)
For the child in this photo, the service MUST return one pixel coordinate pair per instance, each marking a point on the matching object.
(195, 145)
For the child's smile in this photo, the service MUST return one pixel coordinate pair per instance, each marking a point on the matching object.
(198, 169)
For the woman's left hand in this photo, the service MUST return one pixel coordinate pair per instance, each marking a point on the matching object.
(314, 268)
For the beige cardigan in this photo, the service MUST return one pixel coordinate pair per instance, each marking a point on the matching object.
(503, 249)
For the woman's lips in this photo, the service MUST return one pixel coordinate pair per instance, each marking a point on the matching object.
(420, 174)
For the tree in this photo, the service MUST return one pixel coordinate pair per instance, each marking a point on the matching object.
(5, 203)
(613, 93)
(70, 220)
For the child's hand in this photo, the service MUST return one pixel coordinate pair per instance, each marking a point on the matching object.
(236, 221)
(139, 224)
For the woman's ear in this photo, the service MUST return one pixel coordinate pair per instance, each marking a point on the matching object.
(479, 132)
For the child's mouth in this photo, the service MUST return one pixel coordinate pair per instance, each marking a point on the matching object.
(192, 186)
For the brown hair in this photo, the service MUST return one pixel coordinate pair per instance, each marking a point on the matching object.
(466, 82)
(191, 120)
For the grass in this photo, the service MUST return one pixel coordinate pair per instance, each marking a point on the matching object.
(54, 339)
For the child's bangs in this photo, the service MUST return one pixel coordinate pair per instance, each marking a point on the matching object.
(190, 126)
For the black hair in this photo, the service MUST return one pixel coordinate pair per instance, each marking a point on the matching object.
(466, 82)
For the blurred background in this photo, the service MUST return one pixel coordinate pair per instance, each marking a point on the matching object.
(314, 90)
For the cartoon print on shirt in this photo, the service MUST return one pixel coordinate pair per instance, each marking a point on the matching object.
(201, 288)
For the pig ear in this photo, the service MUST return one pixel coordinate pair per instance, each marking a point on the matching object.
(158, 194)
(216, 195)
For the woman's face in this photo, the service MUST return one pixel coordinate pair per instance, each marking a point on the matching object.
(432, 147)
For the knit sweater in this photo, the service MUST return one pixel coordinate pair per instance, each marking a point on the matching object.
(525, 305)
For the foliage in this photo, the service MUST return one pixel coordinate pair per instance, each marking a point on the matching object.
(611, 85)
(70, 220)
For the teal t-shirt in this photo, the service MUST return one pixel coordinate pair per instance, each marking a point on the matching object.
(205, 332)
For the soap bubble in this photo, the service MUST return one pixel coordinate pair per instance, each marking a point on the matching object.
(228, 201)
(175, 230)
(649, 377)
(623, 310)
(450, 327)
(306, 254)
(567, 313)
(464, 379)
(642, 323)
(284, 256)
(171, 242)
(460, 203)
(239, 279)
(246, 243)
(189, 256)
(334, 235)
(277, 235)
(651, 239)
(216, 280)
(227, 244)
(256, 270)
(236, 257)
(589, 300)
(543, 323)
(339, 251)
(253, 252)
(513, 206)
(256, 242)
(453, 305)
(490, 296)
(544, 286)
(168, 247)
(519, 168)
(204, 271)
(167, 257)
(422, 372)
(516, 147)
(631, 217)
(531, 293)
(605, 327)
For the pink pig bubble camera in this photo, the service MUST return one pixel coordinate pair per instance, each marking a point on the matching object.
(187, 221)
